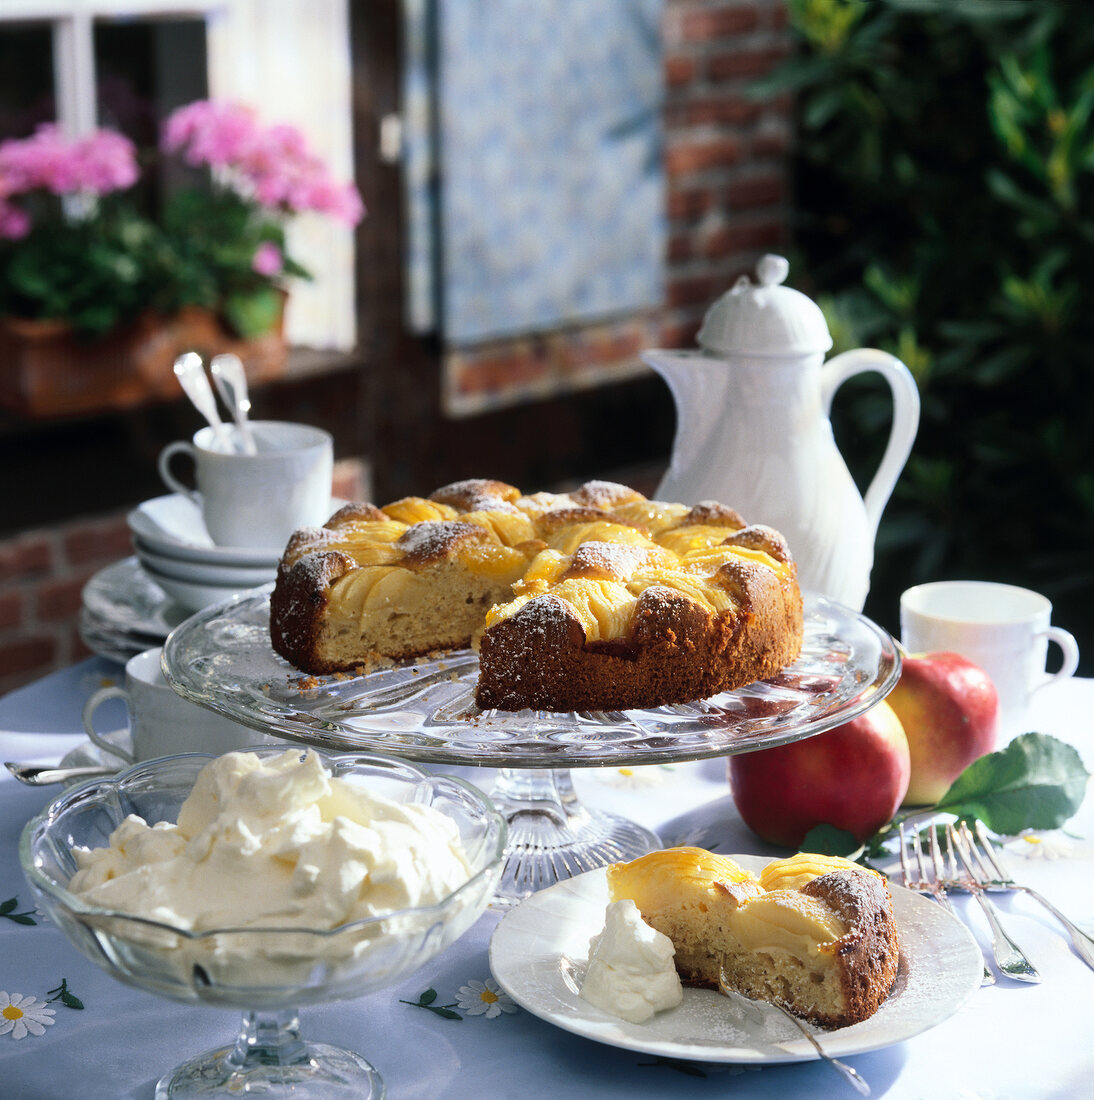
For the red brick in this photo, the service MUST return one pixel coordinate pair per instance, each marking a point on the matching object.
(728, 239)
(681, 247)
(679, 70)
(730, 65)
(11, 609)
(720, 110)
(773, 144)
(350, 481)
(60, 598)
(677, 333)
(690, 203)
(25, 556)
(25, 655)
(77, 649)
(699, 155)
(709, 23)
(692, 290)
(100, 540)
(755, 191)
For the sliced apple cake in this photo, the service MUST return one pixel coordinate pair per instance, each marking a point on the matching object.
(597, 599)
(812, 933)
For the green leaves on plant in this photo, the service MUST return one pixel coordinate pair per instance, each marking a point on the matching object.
(254, 312)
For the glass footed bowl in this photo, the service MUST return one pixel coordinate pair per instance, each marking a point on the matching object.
(266, 972)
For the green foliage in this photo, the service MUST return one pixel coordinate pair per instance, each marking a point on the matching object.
(94, 272)
(945, 193)
(212, 238)
(99, 269)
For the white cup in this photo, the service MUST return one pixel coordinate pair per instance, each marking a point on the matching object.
(162, 722)
(257, 500)
(1003, 629)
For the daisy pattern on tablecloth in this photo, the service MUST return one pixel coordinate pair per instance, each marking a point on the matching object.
(20, 1016)
(651, 775)
(484, 999)
(1040, 845)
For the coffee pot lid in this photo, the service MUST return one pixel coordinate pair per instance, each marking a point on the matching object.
(764, 317)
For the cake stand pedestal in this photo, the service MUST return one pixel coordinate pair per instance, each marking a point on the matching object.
(553, 836)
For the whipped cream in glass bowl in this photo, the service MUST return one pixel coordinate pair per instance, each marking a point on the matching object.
(265, 880)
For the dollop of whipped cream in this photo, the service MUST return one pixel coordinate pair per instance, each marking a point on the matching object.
(631, 972)
(275, 842)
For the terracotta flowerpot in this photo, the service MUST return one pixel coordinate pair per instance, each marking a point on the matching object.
(47, 372)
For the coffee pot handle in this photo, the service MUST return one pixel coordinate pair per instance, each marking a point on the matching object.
(905, 416)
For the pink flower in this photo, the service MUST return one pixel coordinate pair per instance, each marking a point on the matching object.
(268, 260)
(14, 223)
(273, 165)
(95, 164)
(216, 134)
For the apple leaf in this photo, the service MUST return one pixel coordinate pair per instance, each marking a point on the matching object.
(827, 840)
(1036, 782)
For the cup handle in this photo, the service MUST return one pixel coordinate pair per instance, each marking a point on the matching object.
(163, 464)
(1066, 642)
(91, 706)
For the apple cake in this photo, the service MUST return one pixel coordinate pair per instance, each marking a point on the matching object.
(598, 599)
(812, 933)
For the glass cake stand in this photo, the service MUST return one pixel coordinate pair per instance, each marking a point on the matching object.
(425, 710)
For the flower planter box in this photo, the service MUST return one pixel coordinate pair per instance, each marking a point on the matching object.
(47, 372)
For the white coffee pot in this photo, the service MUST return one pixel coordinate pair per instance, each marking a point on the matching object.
(753, 428)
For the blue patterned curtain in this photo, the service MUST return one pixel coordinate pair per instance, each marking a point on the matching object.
(534, 165)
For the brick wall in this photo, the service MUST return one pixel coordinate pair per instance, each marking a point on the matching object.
(728, 203)
(43, 572)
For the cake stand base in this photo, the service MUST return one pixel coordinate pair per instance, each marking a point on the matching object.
(553, 837)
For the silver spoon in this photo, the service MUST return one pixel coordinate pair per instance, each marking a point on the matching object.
(231, 383)
(190, 371)
(37, 775)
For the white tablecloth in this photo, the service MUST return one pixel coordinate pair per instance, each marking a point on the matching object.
(1009, 1042)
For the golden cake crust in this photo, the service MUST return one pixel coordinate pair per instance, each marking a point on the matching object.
(593, 600)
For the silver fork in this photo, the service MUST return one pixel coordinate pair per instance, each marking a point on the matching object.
(1009, 957)
(923, 882)
(847, 1072)
(996, 878)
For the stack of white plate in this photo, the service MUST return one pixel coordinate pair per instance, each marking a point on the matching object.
(175, 550)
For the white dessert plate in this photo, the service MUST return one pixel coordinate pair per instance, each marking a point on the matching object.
(195, 595)
(198, 572)
(940, 968)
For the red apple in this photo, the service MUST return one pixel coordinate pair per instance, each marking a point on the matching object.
(853, 777)
(950, 712)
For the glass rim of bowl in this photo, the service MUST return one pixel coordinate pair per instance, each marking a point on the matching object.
(57, 805)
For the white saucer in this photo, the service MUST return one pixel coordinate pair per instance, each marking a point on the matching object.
(173, 525)
(196, 572)
(195, 595)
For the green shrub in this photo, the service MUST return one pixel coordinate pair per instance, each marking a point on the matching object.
(944, 195)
